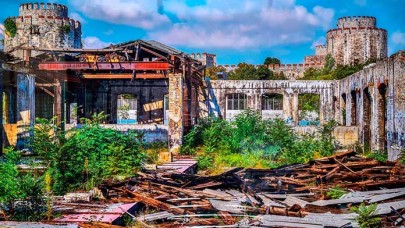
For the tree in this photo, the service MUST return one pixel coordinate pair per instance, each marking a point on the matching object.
(329, 63)
(212, 72)
(263, 73)
(270, 60)
(244, 71)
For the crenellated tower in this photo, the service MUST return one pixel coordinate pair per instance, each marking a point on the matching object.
(356, 39)
(43, 25)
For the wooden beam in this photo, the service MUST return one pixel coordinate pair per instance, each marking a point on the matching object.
(154, 53)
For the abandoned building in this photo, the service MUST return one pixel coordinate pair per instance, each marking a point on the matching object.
(151, 87)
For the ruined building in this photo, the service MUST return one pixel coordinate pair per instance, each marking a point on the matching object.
(43, 25)
(159, 90)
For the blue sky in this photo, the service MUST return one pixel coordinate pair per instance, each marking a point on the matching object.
(235, 30)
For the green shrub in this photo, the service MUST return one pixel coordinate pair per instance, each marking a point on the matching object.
(25, 188)
(379, 155)
(365, 215)
(106, 153)
(10, 27)
(336, 192)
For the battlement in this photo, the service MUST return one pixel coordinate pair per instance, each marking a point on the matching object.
(320, 50)
(340, 31)
(58, 21)
(357, 21)
(48, 9)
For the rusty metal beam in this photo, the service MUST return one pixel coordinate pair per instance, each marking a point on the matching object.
(124, 76)
(61, 66)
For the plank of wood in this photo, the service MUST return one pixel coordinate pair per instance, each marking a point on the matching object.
(227, 218)
(385, 208)
(291, 201)
(383, 197)
(155, 203)
(338, 201)
(154, 216)
(228, 206)
(268, 202)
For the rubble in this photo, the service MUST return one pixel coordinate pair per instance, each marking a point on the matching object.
(290, 196)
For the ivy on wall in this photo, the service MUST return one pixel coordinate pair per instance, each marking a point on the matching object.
(10, 27)
(65, 29)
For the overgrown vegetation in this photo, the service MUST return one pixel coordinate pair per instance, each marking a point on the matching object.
(10, 27)
(365, 216)
(21, 194)
(65, 161)
(336, 192)
(249, 141)
(65, 29)
(332, 72)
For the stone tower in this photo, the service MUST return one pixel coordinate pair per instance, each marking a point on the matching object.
(356, 39)
(43, 25)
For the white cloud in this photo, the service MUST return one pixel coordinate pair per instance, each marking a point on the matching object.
(93, 42)
(77, 17)
(141, 13)
(242, 23)
(228, 24)
(2, 30)
(398, 38)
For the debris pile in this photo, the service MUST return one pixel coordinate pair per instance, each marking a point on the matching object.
(290, 196)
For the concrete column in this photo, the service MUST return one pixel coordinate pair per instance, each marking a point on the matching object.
(327, 106)
(25, 109)
(287, 114)
(57, 101)
(1, 110)
(176, 115)
(295, 108)
(348, 109)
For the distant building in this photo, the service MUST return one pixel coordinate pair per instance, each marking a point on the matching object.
(206, 59)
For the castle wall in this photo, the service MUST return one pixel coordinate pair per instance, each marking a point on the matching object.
(44, 26)
(379, 110)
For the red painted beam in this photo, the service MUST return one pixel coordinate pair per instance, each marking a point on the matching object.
(61, 66)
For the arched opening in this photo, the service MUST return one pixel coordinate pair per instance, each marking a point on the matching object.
(367, 120)
(127, 107)
(308, 109)
(235, 104)
(353, 108)
(344, 100)
(382, 116)
(272, 106)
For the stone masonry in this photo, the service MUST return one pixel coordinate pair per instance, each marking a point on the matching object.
(43, 26)
(356, 40)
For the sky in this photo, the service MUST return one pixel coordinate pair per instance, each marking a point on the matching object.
(235, 30)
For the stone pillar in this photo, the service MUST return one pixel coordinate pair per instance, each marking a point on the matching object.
(327, 105)
(59, 102)
(176, 117)
(348, 109)
(295, 108)
(287, 111)
(1, 110)
(25, 109)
